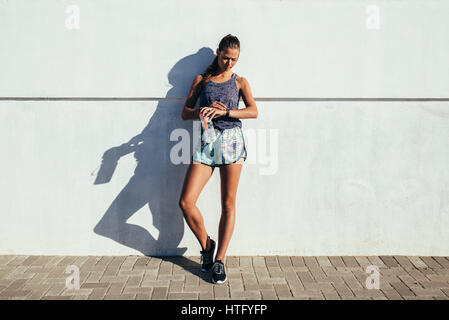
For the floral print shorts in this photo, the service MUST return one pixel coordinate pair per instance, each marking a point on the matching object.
(228, 148)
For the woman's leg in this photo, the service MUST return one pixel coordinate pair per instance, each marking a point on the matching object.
(229, 175)
(197, 176)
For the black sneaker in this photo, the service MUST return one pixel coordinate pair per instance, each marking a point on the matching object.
(218, 272)
(207, 257)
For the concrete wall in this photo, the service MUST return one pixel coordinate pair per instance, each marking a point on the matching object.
(330, 171)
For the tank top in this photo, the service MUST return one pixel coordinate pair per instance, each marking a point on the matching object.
(227, 93)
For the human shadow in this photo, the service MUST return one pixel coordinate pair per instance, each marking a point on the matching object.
(156, 181)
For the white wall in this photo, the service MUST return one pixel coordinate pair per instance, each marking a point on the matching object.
(323, 177)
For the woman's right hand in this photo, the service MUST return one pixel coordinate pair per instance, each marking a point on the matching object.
(210, 109)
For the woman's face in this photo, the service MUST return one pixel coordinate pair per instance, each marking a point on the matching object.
(227, 58)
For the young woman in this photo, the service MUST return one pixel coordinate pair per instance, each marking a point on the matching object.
(219, 90)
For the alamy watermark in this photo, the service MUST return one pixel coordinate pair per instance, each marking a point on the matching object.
(73, 280)
(373, 280)
(262, 147)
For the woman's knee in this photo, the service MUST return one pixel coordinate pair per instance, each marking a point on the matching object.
(228, 206)
(186, 205)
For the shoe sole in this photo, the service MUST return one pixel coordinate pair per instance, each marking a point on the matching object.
(219, 281)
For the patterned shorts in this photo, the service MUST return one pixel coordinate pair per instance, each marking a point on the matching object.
(229, 147)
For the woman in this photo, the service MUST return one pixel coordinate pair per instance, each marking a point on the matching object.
(219, 90)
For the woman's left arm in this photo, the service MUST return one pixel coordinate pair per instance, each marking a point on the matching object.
(251, 109)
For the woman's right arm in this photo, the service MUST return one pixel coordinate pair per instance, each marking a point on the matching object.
(189, 112)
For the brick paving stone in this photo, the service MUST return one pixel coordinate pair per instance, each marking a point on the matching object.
(275, 272)
(431, 263)
(128, 263)
(337, 262)
(271, 261)
(375, 260)
(97, 293)
(206, 295)
(311, 262)
(111, 271)
(285, 263)
(268, 294)
(282, 290)
(389, 261)
(91, 285)
(324, 261)
(427, 271)
(94, 276)
(298, 262)
(120, 297)
(352, 282)
(404, 262)
(410, 282)
(417, 262)
(221, 292)
(134, 281)
(417, 275)
(17, 261)
(35, 295)
(16, 284)
(29, 260)
(259, 277)
(73, 292)
(392, 294)
(293, 280)
(259, 262)
(176, 286)
(318, 274)
(343, 290)
(305, 277)
(55, 289)
(245, 294)
(155, 283)
(14, 293)
(308, 294)
(150, 274)
(37, 287)
(119, 279)
(363, 261)
(434, 284)
(441, 298)
(236, 284)
(136, 290)
(246, 262)
(350, 262)
(159, 293)
(232, 262)
(435, 292)
(56, 298)
(182, 295)
(331, 295)
(67, 261)
(117, 261)
(143, 262)
(116, 288)
(442, 261)
(402, 289)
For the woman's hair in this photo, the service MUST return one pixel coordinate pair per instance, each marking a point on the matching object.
(228, 41)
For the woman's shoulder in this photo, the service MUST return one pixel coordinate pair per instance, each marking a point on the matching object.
(198, 78)
(241, 81)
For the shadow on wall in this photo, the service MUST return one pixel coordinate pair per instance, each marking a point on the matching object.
(156, 182)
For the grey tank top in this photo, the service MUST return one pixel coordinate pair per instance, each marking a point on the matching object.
(227, 93)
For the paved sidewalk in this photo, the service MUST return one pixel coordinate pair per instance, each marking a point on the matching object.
(270, 277)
